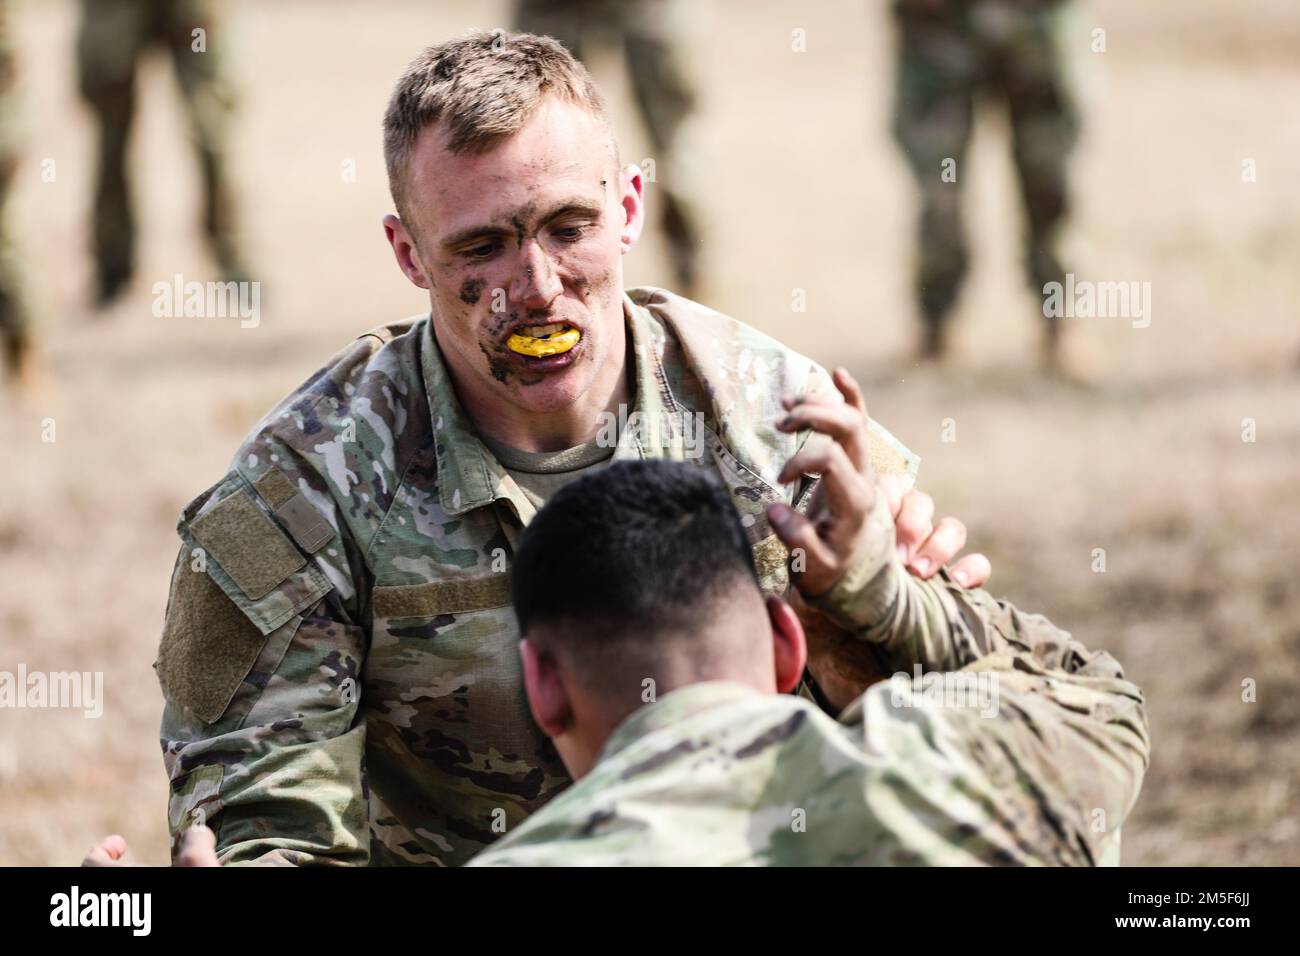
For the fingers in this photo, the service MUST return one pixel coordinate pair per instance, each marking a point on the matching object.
(844, 382)
(109, 851)
(947, 538)
(845, 490)
(848, 491)
(844, 424)
(198, 847)
(790, 400)
(912, 523)
(848, 387)
(925, 549)
(799, 535)
(972, 571)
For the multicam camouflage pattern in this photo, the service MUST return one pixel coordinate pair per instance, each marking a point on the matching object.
(114, 36)
(951, 51)
(340, 654)
(716, 773)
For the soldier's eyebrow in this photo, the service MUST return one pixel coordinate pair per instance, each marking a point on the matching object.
(582, 207)
(567, 207)
(473, 232)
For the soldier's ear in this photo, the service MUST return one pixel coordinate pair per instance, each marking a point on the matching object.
(632, 199)
(403, 243)
(547, 698)
(789, 646)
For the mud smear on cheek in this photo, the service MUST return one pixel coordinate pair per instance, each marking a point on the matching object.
(500, 322)
(503, 370)
(472, 291)
(498, 366)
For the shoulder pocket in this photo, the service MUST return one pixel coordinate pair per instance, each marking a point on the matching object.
(238, 581)
(251, 559)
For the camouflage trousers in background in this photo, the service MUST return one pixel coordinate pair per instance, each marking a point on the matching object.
(664, 95)
(15, 335)
(114, 36)
(1003, 49)
(14, 331)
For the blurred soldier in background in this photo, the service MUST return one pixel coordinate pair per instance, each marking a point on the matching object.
(114, 36)
(14, 335)
(663, 92)
(949, 51)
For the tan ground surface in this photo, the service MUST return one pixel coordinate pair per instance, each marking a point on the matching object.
(803, 190)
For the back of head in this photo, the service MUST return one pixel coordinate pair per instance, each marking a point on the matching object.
(642, 570)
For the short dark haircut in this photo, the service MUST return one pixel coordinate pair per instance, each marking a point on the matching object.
(637, 548)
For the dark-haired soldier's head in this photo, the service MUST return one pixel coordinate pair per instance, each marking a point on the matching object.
(635, 581)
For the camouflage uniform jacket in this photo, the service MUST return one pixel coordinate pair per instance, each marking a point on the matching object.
(1004, 742)
(339, 658)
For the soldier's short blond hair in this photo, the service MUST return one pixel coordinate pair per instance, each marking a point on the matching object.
(484, 86)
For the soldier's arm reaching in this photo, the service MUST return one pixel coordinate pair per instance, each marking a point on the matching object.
(845, 562)
(842, 665)
(935, 623)
(1066, 717)
(1074, 725)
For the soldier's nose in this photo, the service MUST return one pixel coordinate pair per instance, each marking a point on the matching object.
(538, 283)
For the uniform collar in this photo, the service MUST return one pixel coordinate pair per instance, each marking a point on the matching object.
(464, 479)
(469, 475)
(673, 708)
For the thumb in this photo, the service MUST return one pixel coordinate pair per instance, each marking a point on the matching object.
(108, 853)
(198, 847)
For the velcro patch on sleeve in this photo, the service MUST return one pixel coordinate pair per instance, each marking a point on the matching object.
(442, 597)
(889, 456)
(275, 487)
(291, 508)
(247, 544)
(208, 646)
(769, 556)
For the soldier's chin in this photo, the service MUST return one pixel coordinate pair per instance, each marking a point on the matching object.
(551, 390)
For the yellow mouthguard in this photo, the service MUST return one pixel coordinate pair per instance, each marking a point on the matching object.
(553, 344)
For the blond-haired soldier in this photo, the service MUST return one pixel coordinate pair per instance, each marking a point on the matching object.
(339, 655)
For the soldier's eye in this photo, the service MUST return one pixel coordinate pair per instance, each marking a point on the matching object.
(481, 251)
(570, 233)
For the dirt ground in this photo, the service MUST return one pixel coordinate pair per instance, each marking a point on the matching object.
(801, 189)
